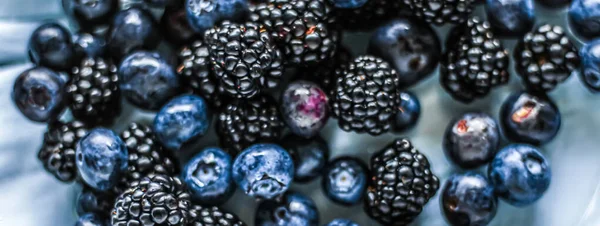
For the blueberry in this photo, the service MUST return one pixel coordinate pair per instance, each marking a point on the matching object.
(263, 171)
(89, 201)
(101, 158)
(410, 45)
(39, 94)
(408, 113)
(590, 65)
(305, 108)
(309, 155)
(471, 140)
(88, 45)
(294, 209)
(176, 26)
(348, 4)
(182, 121)
(147, 80)
(345, 180)
(208, 177)
(204, 14)
(520, 174)
(88, 13)
(584, 18)
(528, 118)
(341, 222)
(132, 29)
(510, 17)
(91, 219)
(468, 200)
(50, 45)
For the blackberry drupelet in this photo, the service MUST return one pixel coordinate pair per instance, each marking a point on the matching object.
(441, 11)
(371, 14)
(324, 72)
(246, 122)
(475, 61)
(58, 149)
(400, 184)
(366, 96)
(213, 216)
(93, 93)
(244, 58)
(545, 57)
(155, 200)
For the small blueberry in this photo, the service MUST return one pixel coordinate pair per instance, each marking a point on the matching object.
(468, 199)
(39, 94)
(345, 180)
(182, 121)
(101, 158)
(294, 209)
(208, 176)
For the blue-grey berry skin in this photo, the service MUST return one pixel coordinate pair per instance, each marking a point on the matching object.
(590, 65)
(529, 118)
(345, 180)
(204, 14)
(98, 203)
(181, 121)
(147, 80)
(309, 155)
(584, 18)
(510, 18)
(468, 200)
(263, 171)
(520, 174)
(89, 13)
(294, 209)
(89, 45)
(91, 219)
(51, 46)
(39, 94)
(305, 108)
(341, 222)
(408, 113)
(101, 158)
(132, 29)
(347, 4)
(471, 140)
(208, 177)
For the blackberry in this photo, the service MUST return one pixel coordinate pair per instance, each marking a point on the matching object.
(545, 57)
(244, 59)
(213, 216)
(246, 122)
(366, 96)
(324, 72)
(475, 61)
(154, 200)
(372, 14)
(400, 184)
(94, 96)
(304, 29)
(58, 149)
(441, 11)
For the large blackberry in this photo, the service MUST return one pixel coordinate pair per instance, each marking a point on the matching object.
(366, 96)
(324, 72)
(246, 122)
(58, 149)
(441, 11)
(371, 14)
(154, 200)
(213, 216)
(400, 184)
(244, 59)
(545, 57)
(475, 61)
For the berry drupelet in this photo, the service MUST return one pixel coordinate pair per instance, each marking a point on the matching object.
(213, 216)
(309, 155)
(205, 14)
(89, 14)
(324, 73)
(409, 112)
(583, 18)
(371, 14)
(400, 184)
(511, 18)
(208, 177)
(58, 149)
(472, 140)
(590, 65)
(468, 200)
(132, 29)
(441, 12)
(345, 180)
(305, 108)
(182, 121)
(475, 61)
(366, 96)
(528, 118)
(294, 209)
(39, 94)
(545, 57)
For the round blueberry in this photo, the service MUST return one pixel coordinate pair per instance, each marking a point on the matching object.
(176, 27)
(50, 45)
(471, 140)
(510, 17)
(182, 121)
(263, 171)
(309, 155)
(293, 209)
(88, 13)
(520, 174)
(410, 45)
(590, 65)
(468, 200)
(89, 201)
(130, 30)
(345, 180)
(305, 108)
(39, 94)
(204, 14)
(101, 158)
(91, 219)
(88, 45)
(341, 222)
(584, 18)
(530, 119)
(408, 113)
(208, 177)
(348, 4)
(147, 80)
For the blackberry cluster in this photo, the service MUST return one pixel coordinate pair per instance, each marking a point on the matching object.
(246, 122)
(371, 14)
(212, 216)
(244, 58)
(401, 183)
(304, 29)
(475, 61)
(366, 96)
(94, 96)
(58, 149)
(545, 57)
(441, 11)
(324, 72)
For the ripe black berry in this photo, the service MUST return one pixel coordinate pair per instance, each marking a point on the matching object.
(213, 216)
(441, 11)
(58, 150)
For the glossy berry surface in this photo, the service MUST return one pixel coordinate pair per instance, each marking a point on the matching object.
(263, 171)
(345, 180)
(39, 94)
(511, 18)
(132, 29)
(409, 112)
(528, 118)
(147, 80)
(411, 46)
(213, 216)
(89, 13)
(182, 121)
(208, 177)
(472, 140)
(305, 108)
(101, 158)
(310, 156)
(324, 73)
(98, 203)
(175, 26)
(57, 153)
(91, 219)
(441, 12)
(294, 209)
(520, 174)
(347, 4)
(203, 15)
(341, 222)
(370, 15)
(590, 65)
(89, 45)
(468, 200)
(50, 45)
(584, 17)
